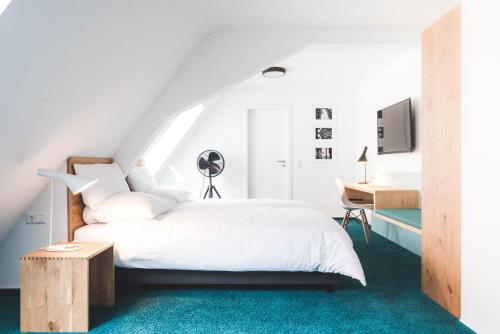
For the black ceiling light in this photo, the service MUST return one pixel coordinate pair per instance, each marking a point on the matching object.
(274, 72)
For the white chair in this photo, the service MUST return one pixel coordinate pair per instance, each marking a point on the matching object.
(351, 206)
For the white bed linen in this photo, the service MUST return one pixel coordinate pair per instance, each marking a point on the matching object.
(232, 235)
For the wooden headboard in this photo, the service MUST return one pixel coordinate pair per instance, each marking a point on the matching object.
(75, 202)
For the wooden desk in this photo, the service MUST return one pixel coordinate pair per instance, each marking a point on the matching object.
(57, 287)
(382, 197)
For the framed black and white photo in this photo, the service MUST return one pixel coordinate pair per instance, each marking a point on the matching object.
(324, 114)
(324, 153)
(323, 133)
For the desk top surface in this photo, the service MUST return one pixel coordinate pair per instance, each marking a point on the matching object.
(372, 188)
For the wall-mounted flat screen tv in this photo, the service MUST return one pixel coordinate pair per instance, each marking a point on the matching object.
(395, 128)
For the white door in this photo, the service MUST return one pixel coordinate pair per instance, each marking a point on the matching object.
(269, 153)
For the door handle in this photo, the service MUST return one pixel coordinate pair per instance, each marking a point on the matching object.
(281, 161)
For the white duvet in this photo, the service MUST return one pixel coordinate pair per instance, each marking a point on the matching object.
(232, 235)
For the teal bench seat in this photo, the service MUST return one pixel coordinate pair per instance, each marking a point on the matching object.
(409, 219)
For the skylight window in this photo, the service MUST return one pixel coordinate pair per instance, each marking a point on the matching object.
(3, 5)
(168, 141)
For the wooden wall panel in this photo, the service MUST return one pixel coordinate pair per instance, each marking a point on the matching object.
(441, 137)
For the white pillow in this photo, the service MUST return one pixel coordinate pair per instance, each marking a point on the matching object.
(177, 194)
(140, 179)
(130, 206)
(89, 216)
(111, 181)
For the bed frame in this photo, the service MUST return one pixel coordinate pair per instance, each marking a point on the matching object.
(191, 277)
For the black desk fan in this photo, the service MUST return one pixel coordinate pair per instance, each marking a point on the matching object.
(210, 163)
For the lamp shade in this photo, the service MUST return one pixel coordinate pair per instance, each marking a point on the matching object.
(75, 183)
(362, 158)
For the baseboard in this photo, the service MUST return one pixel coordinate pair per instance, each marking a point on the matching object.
(466, 323)
(9, 287)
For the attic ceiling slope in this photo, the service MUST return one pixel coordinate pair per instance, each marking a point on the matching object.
(76, 76)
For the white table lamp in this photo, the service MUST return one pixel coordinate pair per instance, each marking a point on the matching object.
(76, 184)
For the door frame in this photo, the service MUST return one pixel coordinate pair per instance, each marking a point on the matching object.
(288, 108)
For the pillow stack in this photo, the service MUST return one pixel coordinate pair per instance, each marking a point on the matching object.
(111, 181)
(128, 206)
(111, 199)
(140, 179)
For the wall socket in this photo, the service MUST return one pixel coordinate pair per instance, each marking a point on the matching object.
(35, 218)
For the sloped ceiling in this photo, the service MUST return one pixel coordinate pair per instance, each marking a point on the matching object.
(76, 76)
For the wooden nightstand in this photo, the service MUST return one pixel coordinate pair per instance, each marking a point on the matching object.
(58, 287)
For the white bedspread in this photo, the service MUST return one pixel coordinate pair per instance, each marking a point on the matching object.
(232, 235)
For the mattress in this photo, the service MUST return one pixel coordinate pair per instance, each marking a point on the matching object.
(232, 235)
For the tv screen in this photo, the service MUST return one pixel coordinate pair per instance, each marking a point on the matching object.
(395, 128)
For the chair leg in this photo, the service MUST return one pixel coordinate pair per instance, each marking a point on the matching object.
(345, 221)
(366, 226)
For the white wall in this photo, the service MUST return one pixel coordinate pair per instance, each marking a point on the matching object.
(397, 82)
(225, 130)
(24, 237)
(480, 166)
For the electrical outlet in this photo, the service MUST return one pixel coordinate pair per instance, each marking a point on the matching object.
(35, 218)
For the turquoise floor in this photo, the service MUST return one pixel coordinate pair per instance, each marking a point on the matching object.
(392, 303)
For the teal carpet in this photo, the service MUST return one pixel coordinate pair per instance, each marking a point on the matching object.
(392, 303)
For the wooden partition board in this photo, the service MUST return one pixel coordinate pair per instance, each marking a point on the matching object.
(441, 181)
(75, 202)
(403, 199)
(382, 196)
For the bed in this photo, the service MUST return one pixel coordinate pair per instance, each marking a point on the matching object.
(224, 242)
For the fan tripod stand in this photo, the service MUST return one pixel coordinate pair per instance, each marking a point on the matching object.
(210, 189)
